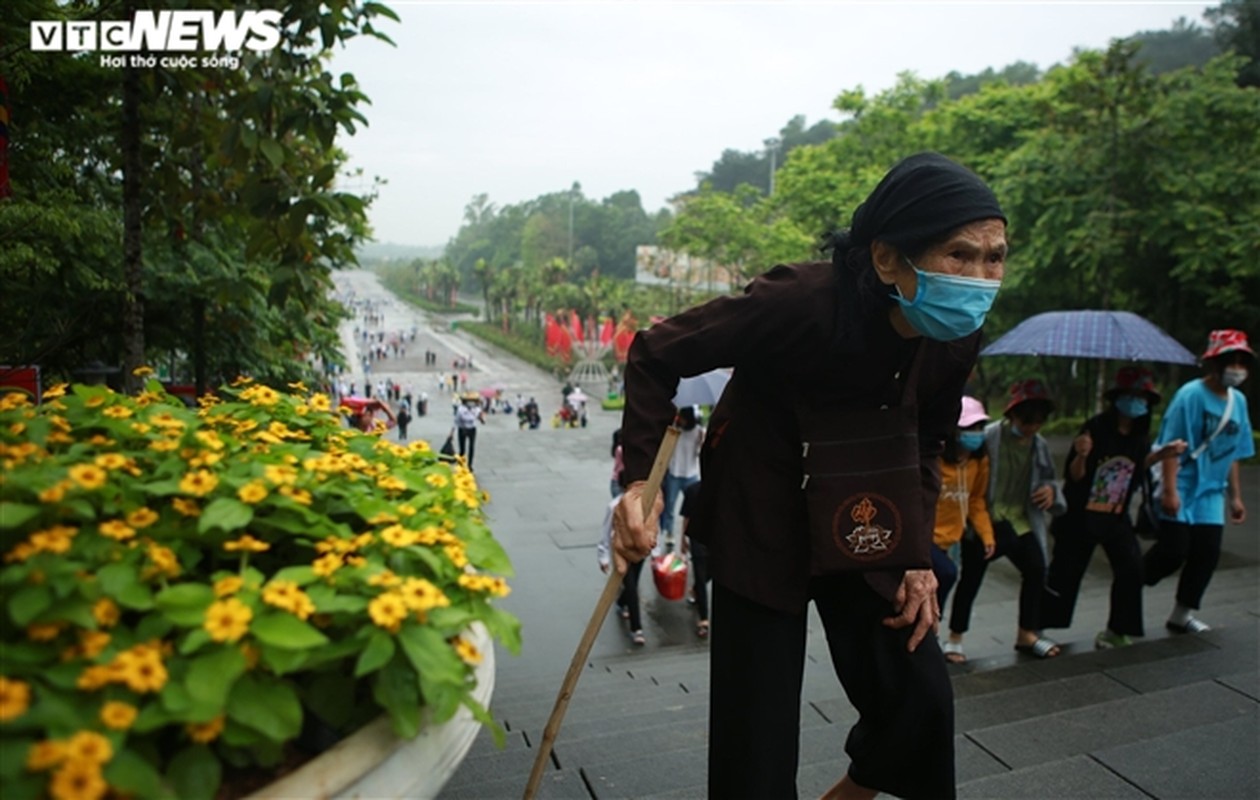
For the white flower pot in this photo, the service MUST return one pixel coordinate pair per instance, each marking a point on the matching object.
(375, 763)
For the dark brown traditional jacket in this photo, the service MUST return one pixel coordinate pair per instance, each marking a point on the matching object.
(781, 338)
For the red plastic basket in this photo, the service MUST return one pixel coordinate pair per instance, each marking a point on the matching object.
(669, 573)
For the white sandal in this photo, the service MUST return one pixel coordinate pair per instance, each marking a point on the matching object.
(954, 649)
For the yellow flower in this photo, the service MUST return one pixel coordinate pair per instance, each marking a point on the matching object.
(247, 543)
(326, 565)
(118, 412)
(117, 715)
(117, 529)
(93, 642)
(419, 594)
(15, 698)
(252, 492)
(141, 668)
(288, 596)
(163, 445)
(390, 483)
(209, 439)
(455, 552)
(13, 400)
(56, 539)
(300, 496)
(485, 583)
(56, 390)
(386, 578)
(43, 632)
(398, 536)
(89, 746)
(467, 651)
(78, 780)
(55, 493)
(228, 620)
(436, 480)
(141, 427)
(142, 371)
(45, 755)
(320, 402)
(261, 396)
(111, 460)
(106, 612)
(89, 476)
(142, 517)
(280, 475)
(164, 560)
(199, 483)
(388, 611)
(228, 585)
(188, 508)
(94, 677)
(204, 732)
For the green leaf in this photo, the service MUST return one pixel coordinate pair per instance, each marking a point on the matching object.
(483, 716)
(380, 649)
(13, 758)
(327, 601)
(489, 555)
(429, 653)
(225, 514)
(28, 603)
(130, 774)
(15, 515)
(210, 677)
(504, 627)
(186, 603)
(267, 705)
(281, 629)
(151, 717)
(195, 773)
(122, 582)
(282, 661)
(395, 690)
(273, 151)
(299, 575)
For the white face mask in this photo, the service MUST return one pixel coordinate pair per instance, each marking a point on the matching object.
(1233, 376)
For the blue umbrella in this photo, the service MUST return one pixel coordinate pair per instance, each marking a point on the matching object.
(1113, 335)
(703, 389)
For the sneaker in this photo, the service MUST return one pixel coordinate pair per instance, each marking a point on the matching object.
(638, 638)
(1108, 640)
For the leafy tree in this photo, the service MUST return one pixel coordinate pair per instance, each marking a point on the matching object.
(1236, 26)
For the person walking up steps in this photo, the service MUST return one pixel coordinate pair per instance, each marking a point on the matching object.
(1210, 414)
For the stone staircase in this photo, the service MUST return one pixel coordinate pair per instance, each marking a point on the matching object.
(1173, 716)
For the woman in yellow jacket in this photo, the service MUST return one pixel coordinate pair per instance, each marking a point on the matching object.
(964, 483)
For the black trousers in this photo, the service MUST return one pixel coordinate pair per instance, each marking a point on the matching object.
(700, 576)
(1197, 547)
(903, 742)
(629, 596)
(468, 437)
(1075, 537)
(1024, 552)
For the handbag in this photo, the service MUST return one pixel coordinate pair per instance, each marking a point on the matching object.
(448, 447)
(862, 486)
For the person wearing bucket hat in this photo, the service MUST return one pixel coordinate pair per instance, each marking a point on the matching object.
(881, 337)
(1203, 486)
(962, 513)
(1022, 493)
(1106, 465)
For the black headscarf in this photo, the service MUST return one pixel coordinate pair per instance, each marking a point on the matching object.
(923, 196)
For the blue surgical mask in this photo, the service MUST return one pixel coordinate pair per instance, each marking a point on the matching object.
(948, 307)
(1132, 406)
(971, 441)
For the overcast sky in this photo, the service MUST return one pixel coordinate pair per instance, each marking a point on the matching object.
(517, 99)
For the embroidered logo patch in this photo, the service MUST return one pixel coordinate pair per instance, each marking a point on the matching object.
(867, 527)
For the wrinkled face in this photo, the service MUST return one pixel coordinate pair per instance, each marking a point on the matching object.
(976, 250)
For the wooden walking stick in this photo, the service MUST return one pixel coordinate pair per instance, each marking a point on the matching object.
(611, 587)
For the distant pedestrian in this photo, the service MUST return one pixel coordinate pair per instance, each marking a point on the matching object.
(467, 415)
(698, 552)
(684, 468)
(628, 600)
(404, 419)
(1203, 485)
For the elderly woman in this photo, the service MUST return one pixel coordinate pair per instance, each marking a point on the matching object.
(821, 473)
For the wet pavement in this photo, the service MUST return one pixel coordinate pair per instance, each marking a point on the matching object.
(1173, 717)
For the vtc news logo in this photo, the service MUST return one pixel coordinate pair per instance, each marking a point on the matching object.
(156, 31)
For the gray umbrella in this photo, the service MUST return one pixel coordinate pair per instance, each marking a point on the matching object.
(703, 389)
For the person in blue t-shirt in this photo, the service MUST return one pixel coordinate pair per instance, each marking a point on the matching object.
(1210, 414)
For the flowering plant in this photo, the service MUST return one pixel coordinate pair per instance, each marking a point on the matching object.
(189, 591)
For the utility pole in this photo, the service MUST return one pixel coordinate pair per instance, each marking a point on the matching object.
(772, 149)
